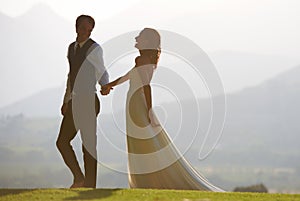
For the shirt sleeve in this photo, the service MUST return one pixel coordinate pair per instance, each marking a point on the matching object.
(96, 59)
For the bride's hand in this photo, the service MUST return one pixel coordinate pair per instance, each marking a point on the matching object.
(105, 89)
(153, 119)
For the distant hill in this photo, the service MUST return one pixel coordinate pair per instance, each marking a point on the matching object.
(278, 95)
(270, 109)
(45, 103)
(244, 67)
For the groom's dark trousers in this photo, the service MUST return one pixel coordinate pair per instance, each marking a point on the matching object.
(66, 134)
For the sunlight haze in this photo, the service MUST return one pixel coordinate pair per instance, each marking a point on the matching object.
(265, 34)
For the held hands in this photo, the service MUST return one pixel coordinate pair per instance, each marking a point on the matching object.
(105, 89)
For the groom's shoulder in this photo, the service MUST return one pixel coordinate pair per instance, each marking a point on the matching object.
(72, 44)
(94, 44)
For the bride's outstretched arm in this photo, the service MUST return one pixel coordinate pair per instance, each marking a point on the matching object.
(106, 88)
(120, 80)
(148, 96)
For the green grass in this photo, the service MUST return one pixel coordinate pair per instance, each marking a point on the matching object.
(136, 194)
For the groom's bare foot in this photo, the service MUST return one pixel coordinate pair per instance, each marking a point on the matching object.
(79, 184)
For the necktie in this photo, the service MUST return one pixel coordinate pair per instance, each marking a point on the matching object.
(77, 48)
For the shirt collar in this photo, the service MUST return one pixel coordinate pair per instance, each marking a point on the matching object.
(82, 43)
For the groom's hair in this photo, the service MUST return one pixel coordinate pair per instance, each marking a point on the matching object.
(87, 17)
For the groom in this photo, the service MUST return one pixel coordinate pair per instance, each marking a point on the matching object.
(81, 104)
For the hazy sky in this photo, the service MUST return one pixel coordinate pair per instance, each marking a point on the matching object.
(260, 26)
(68, 8)
(267, 28)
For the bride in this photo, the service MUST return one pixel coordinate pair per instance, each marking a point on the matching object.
(153, 160)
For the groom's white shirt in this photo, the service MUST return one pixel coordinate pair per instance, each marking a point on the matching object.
(94, 57)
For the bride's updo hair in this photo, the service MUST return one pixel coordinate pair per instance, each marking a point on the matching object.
(152, 48)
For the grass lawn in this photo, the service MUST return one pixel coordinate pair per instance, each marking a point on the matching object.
(136, 194)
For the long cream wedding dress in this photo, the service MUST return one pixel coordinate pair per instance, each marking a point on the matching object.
(153, 159)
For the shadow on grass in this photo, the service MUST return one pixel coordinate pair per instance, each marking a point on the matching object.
(4, 192)
(92, 194)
